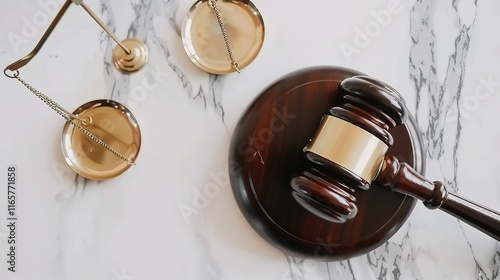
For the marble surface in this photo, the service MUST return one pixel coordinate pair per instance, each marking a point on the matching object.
(441, 55)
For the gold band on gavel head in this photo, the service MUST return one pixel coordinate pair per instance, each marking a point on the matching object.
(349, 146)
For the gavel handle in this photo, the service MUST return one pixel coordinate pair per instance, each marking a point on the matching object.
(400, 177)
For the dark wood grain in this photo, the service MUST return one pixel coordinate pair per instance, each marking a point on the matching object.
(400, 177)
(324, 187)
(267, 151)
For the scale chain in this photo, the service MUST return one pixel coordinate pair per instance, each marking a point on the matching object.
(71, 119)
(215, 8)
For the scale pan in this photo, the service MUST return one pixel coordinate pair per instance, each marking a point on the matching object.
(114, 125)
(203, 41)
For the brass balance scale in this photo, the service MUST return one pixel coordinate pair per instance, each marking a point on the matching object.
(102, 139)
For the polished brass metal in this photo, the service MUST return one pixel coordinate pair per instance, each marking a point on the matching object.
(135, 60)
(349, 146)
(215, 8)
(102, 138)
(131, 55)
(131, 58)
(11, 74)
(78, 122)
(103, 26)
(25, 60)
(115, 125)
(204, 43)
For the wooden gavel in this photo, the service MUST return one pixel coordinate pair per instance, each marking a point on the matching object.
(348, 152)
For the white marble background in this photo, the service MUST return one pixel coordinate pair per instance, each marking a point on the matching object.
(443, 56)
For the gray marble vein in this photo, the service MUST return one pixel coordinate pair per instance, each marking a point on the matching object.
(301, 269)
(340, 270)
(296, 268)
(142, 28)
(209, 268)
(490, 270)
(395, 260)
(443, 97)
(216, 86)
(66, 199)
(495, 266)
(118, 84)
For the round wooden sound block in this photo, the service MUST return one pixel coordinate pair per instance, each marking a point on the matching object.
(267, 151)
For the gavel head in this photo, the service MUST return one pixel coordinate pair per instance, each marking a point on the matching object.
(348, 149)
